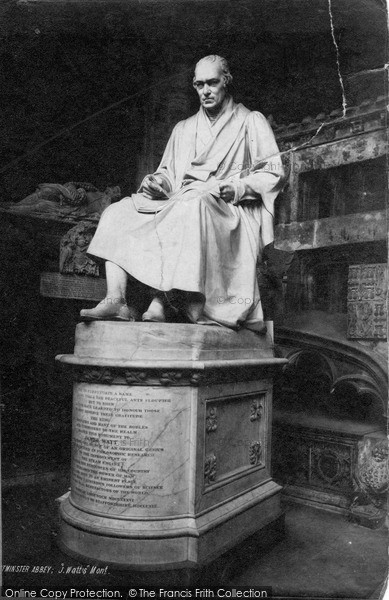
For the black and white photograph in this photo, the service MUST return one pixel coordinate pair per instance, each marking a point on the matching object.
(194, 299)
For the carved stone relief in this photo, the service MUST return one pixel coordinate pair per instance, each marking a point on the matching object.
(331, 465)
(211, 419)
(369, 504)
(256, 410)
(255, 453)
(73, 258)
(372, 473)
(123, 376)
(367, 301)
(210, 469)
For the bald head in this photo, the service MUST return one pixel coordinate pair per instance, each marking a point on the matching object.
(219, 62)
(210, 81)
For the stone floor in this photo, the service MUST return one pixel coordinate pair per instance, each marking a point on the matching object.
(322, 555)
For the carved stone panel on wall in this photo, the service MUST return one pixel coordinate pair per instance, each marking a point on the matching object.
(319, 461)
(367, 301)
(320, 465)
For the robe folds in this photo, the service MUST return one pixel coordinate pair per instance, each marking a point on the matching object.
(195, 241)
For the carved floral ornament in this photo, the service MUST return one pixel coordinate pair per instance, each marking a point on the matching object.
(170, 377)
(146, 376)
(134, 377)
(123, 376)
(211, 419)
(255, 453)
(210, 469)
(96, 375)
(256, 410)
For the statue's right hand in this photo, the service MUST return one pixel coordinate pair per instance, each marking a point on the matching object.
(152, 186)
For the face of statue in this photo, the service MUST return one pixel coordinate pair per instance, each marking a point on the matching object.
(210, 86)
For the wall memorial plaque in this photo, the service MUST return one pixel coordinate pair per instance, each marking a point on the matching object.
(367, 301)
(72, 287)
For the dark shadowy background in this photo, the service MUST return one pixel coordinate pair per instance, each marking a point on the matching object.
(62, 62)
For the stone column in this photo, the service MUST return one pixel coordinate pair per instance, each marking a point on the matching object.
(171, 443)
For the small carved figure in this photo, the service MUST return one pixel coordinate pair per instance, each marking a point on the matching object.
(371, 483)
(73, 257)
(372, 473)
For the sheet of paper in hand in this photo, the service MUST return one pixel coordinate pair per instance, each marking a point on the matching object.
(143, 204)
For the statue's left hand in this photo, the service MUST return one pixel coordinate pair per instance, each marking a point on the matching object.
(227, 191)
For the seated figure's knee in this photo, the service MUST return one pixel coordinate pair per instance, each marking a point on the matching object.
(199, 198)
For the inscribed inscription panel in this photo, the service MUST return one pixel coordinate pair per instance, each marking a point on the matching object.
(130, 450)
(76, 287)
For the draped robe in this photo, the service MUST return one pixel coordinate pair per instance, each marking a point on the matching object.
(195, 241)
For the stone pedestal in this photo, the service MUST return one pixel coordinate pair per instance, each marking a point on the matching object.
(171, 443)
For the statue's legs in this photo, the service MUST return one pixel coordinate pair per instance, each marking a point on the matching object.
(114, 306)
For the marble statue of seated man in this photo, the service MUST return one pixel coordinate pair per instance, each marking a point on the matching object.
(198, 224)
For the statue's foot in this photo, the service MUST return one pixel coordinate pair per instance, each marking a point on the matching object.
(194, 306)
(156, 311)
(109, 311)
